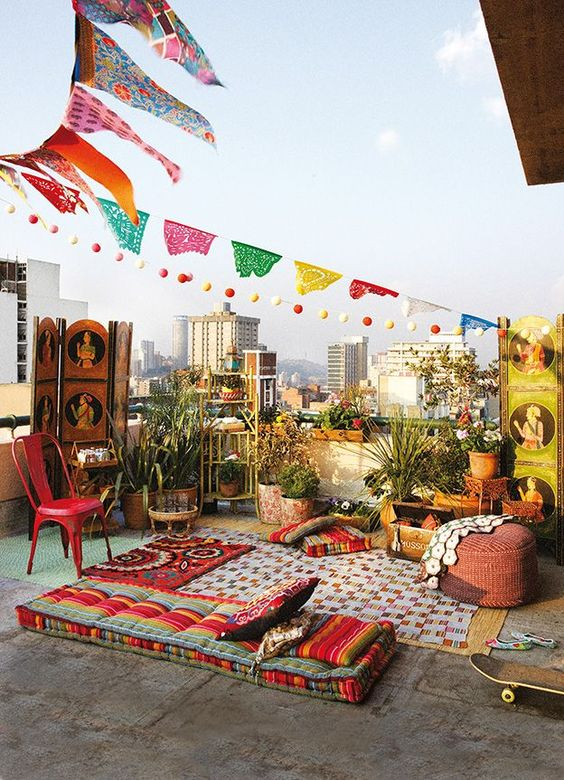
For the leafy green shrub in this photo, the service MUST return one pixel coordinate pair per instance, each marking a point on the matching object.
(298, 481)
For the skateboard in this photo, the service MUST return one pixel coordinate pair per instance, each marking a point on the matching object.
(513, 675)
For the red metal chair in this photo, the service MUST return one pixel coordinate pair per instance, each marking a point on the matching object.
(70, 513)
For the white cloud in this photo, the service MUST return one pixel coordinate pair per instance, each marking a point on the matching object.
(495, 108)
(466, 53)
(388, 140)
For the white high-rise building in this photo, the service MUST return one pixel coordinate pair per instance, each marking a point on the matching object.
(29, 288)
(147, 354)
(347, 362)
(180, 341)
(212, 334)
(402, 354)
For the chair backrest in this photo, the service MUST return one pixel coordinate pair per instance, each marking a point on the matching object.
(32, 447)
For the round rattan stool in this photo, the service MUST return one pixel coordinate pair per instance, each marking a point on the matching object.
(494, 570)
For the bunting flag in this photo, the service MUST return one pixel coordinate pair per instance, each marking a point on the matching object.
(183, 238)
(313, 277)
(96, 165)
(64, 199)
(358, 289)
(252, 260)
(411, 306)
(102, 64)
(56, 162)
(11, 177)
(469, 321)
(86, 114)
(127, 235)
(168, 36)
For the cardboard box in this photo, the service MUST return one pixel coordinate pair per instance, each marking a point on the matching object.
(410, 541)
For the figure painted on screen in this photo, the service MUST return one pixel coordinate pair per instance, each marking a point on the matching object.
(531, 494)
(86, 352)
(531, 355)
(532, 430)
(83, 413)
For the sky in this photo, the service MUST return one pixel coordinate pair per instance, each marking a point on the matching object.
(370, 138)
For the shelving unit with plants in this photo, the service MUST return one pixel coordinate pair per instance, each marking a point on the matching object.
(229, 420)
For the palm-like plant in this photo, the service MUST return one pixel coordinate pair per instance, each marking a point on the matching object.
(401, 461)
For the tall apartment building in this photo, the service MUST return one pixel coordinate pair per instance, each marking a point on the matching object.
(211, 335)
(180, 341)
(147, 355)
(29, 288)
(347, 362)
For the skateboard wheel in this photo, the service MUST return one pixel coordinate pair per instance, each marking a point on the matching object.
(508, 696)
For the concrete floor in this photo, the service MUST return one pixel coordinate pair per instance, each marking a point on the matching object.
(68, 710)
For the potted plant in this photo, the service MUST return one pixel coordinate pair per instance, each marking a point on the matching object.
(281, 441)
(173, 421)
(229, 475)
(401, 465)
(358, 514)
(346, 418)
(448, 463)
(482, 441)
(231, 387)
(299, 485)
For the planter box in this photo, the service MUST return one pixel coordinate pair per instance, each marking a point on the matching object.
(461, 505)
(410, 542)
(334, 434)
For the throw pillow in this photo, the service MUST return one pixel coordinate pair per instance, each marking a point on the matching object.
(338, 640)
(275, 605)
(336, 540)
(290, 534)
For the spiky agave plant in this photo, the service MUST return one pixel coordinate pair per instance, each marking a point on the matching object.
(401, 461)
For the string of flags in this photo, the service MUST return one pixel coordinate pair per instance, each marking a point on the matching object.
(101, 64)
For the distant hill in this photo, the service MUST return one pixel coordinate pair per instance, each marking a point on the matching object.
(307, 369)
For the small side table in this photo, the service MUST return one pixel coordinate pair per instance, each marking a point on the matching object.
(490, 489)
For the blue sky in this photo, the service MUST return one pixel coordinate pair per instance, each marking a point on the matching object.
(368, 137)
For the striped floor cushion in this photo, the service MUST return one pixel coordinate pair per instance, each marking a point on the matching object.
(185, 628)
(334, 541)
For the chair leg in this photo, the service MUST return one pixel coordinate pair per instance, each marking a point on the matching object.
(76, 544)
(36, 526)
(65, 540)
(106, 537)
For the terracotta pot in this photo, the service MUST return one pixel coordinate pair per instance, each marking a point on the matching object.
(270, 504)
(337, 434)
(484, 465)
(132, 505)
(294, 510)
(462, 506)
(229, 489)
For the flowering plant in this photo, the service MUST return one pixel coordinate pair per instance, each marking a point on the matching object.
(347, 507)
(231, 468)
(346, 412)
(478, 436)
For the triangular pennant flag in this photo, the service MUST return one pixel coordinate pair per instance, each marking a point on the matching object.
(96, 165)
(64, 199)
(412, 306)
(167, 34)
(183, 238)
(313, 277)
(102, 64)
(127, 235)
(253, 260)
(86, 114)
(12, 178)
(469, 321)
(359, 288)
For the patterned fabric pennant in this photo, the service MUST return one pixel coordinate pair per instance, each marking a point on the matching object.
(183, 238)
(56, 162)
(412, 306)
(313, 277)
(11, 177)
(64, 199)
(168, 36)
(96, 165)
(127, 235)
(86, 114)
(102, 64)
(469, 321)
(359, 288)
(253, 260)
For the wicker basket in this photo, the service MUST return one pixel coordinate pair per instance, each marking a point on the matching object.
(186, 517)
(494, 570)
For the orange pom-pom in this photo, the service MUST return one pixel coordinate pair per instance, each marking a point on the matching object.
(435, 329)
(367, 321)
(229, 292)
(298, 308)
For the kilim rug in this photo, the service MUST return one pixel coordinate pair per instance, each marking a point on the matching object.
(168, 562)
(367, 585)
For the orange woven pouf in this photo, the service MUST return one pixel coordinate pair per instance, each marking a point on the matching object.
(494, 570)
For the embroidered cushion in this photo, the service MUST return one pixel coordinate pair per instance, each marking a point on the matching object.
(273, 606)
(295, 531)
(336, 540)
(338, 640)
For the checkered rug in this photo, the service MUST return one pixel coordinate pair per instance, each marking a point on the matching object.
(367, 585)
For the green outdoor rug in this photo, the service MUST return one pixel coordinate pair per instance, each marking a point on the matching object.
(50, 567)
